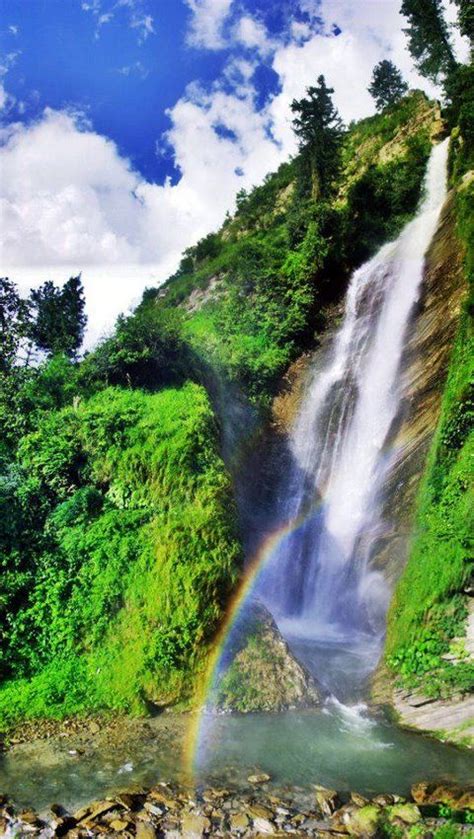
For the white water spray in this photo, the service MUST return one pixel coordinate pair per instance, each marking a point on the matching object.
(321, 584)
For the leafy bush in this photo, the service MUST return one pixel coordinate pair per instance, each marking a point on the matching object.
(126, 557)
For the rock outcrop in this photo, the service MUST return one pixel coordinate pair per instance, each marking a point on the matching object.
(262, 673)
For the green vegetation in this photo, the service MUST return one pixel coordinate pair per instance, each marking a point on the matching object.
(265, 280)
(429, 609)
(123, 555)
(428, 614)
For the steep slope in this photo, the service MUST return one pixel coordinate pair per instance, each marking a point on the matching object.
(429, 649)
(256, 294)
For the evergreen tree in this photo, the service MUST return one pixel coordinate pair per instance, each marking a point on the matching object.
(14, 324)
(428, 37)
(320, 130)
(466, 19)
(59, 317)
(387, 85)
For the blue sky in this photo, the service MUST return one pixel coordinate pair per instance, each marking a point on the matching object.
(128, 126)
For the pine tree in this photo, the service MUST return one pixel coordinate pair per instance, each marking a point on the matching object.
(466, 19)
(14, 324)
(59, 317)
(387, 85)
(319, 129)
(428, 37)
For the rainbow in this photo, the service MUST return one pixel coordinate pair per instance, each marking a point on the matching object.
(252, 572)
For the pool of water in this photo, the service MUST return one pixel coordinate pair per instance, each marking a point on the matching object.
(338, 746)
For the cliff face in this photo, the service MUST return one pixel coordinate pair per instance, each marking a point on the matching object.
(430, 341)
(429, 667)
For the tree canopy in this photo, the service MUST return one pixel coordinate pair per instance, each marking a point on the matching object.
(428, 37)
(59, 317)
(387, 86)
(319, 129)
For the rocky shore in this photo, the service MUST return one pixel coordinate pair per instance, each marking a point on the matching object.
(170, 811)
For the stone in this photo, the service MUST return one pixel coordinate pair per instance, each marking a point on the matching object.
(265, 826)
(154, 809)
(145, 830)
(450, 794)
(384, 800)
(327, 800)
(93, 811)
(194, 825)
(406, 813)
(258, 811)
(263, 674)
(126, 801)
(359, 800)
(364, 822)
(94, 728)
(238, 822)
(118, 825)
(260, 778)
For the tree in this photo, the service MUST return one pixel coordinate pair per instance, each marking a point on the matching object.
(428, 37)
(387, 85)
(466, 19)
(319, 129)
(59, 317)
(14, 324)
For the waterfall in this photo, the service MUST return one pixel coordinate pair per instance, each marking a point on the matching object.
(320, 584)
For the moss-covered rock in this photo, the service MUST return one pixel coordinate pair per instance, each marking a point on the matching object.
(263, 674)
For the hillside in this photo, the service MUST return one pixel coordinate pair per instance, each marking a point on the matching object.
(121, 546)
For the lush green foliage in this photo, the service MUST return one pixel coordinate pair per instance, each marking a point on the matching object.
(118, 552)
(267, 279)
(429, 610)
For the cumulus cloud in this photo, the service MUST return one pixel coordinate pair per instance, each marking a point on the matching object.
(207, 23)
(68, 197)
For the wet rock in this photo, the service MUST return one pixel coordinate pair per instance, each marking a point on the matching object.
(263, 675)
(238, 823)
(119, 825)
(260, 778)
(328, 800)
(263, 826)
(359, 800)
(364, 821)
(258, 811)
(406, 813)
(193, 825)
(145, 831)
(434, 793)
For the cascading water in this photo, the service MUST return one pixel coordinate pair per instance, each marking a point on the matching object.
(320, 584)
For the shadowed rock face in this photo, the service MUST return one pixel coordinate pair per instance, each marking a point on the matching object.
(263, 674)
(425, 364)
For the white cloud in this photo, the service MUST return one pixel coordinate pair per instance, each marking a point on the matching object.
(207, 23)
(252, 34)
(3, 96)
(13, 29)
(69, 199)
(137, 16)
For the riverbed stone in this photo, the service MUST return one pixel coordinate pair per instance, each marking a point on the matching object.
(194, 825)
(363, 822)
(328, 800)
(238, 822)
(406, 813)
(145, 830)
(459, 798)
(258, 778)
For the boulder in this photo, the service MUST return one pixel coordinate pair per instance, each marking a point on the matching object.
(261, 673)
